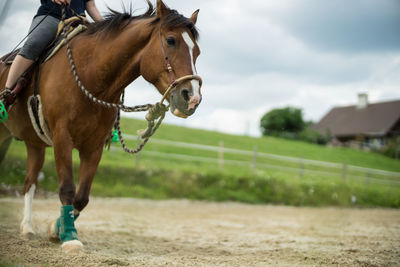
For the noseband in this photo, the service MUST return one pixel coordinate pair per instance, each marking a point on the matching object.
(174, 82)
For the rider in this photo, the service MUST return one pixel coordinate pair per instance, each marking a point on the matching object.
(46, 22)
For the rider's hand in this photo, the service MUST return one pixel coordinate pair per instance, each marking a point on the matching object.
(62, 2)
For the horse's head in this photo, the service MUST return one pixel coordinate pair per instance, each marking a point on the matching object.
(170, 55)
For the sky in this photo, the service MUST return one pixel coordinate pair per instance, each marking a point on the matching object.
(257, 55)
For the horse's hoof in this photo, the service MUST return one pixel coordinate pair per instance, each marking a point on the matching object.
(27, 231)
(28, 235)
(51, 233)
(73, 246)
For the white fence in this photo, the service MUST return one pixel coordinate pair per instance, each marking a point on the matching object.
(257, 160)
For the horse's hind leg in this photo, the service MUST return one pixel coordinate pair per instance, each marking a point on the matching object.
(34, 165)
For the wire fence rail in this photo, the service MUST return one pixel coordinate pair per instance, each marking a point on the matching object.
(260, 160)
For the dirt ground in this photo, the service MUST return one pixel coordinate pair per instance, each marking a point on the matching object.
(132, 232)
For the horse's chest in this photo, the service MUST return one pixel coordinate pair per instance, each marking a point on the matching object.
(92, 127)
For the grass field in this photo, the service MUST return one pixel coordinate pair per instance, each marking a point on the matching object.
(161, 178)
(269, 145)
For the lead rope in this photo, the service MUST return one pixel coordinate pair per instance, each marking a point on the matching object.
(155, 112)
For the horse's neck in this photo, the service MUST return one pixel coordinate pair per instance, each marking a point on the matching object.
(112, 63)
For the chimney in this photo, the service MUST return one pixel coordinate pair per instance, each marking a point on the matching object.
(362, 101)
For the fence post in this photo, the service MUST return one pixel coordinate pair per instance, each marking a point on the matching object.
(254, 164)
(137, 156)
(344, 172)
(221, 155)
(368, 176)
(301, 168)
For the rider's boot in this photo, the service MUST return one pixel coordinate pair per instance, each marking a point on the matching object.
(8, 97)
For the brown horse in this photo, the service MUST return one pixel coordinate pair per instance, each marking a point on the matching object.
(109, 55)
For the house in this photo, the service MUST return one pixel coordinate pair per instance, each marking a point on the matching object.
(371, 125)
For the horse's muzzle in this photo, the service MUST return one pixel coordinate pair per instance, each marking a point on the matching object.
(185, 99)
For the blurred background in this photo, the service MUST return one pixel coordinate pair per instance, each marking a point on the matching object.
(275, 74)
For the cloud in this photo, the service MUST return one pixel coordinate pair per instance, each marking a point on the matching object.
(356, 26)
(16, 25)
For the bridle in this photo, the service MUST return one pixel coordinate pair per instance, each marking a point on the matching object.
(156, 112)
(174, 82)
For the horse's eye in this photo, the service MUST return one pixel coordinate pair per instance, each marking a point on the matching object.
(170, 41)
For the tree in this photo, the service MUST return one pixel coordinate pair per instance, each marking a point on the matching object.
(282, 120)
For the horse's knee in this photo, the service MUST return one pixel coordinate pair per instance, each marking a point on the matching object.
(67, 193)
(80, 202)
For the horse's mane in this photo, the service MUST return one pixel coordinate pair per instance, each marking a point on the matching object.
(115, 21)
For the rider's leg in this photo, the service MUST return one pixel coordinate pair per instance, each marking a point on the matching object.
(42, 32)
(18, 67)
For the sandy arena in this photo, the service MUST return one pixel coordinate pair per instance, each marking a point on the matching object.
(132, 232)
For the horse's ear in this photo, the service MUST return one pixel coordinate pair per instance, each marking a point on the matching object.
(193, 18)
(162, 9)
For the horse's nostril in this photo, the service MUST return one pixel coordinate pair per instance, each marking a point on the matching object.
(185, 94)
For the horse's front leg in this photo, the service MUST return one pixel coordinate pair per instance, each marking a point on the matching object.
(34, 165)
(64, 227)
(89, 161)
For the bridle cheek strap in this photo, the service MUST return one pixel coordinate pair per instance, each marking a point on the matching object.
(174, 82)
(166, 58)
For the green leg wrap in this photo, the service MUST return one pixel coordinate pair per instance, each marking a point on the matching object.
(65, 227)
(3, 112)
(58, 224)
